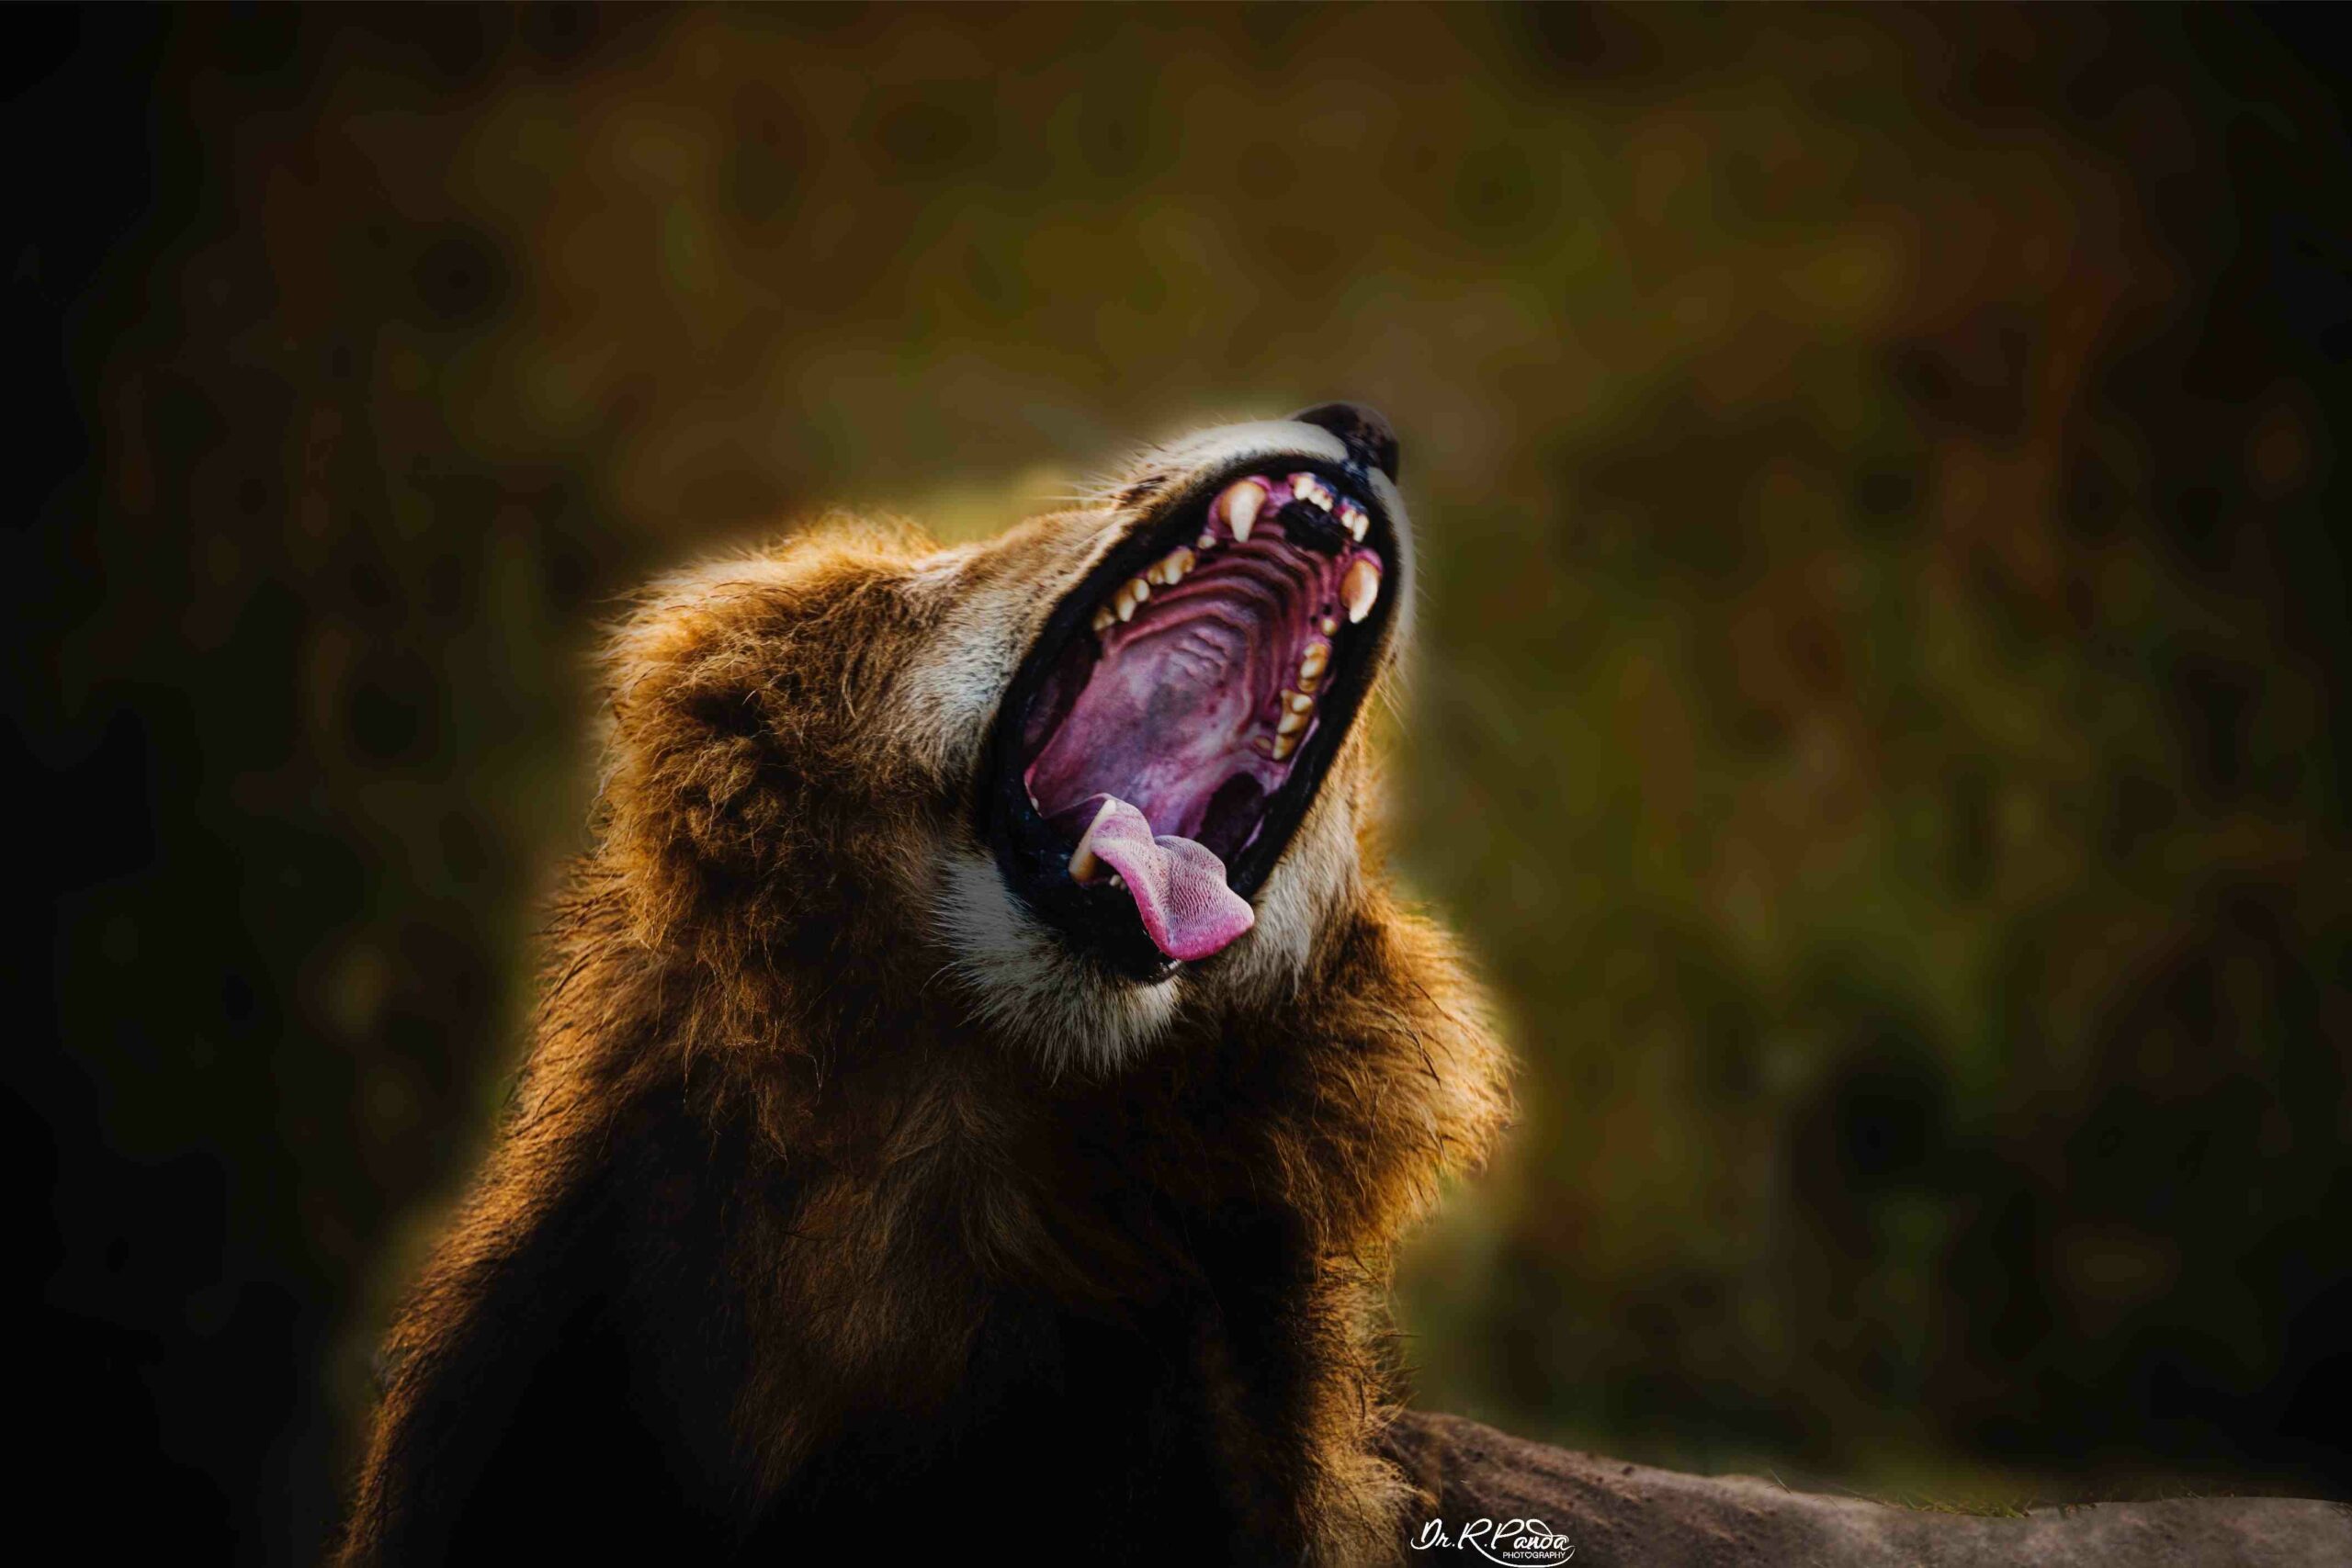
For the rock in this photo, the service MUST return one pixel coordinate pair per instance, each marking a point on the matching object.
(1616, 1513)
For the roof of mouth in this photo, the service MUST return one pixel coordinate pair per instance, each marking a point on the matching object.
(1199, 682)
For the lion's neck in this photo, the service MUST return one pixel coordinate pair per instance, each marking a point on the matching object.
(1192, 1251)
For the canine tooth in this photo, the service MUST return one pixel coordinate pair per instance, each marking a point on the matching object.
(1284, 746)
(1239, 506)
(1312, 663)
(1359, 589)
(1084, 862)
(1103, 619)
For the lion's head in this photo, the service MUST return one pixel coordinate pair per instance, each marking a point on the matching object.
(1096, 770)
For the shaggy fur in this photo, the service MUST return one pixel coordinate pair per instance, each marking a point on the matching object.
(840, 1211)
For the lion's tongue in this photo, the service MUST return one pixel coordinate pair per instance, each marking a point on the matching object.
(1178, 885)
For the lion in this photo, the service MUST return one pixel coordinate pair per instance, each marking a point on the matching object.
(983, 1073)
(982, 1077)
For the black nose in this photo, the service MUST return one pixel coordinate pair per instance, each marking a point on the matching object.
(1369, 437)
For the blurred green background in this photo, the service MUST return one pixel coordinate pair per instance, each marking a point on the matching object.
(1876, 717)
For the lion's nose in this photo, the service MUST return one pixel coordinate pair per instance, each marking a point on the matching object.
(1369, 437)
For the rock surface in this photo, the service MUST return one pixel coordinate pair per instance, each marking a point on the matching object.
(1617, 1514)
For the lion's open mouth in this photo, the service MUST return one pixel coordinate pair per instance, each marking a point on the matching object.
(1170, 728)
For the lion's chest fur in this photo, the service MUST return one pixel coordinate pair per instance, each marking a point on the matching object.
(1068, 1300)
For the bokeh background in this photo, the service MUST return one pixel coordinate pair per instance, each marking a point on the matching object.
(1877, 721)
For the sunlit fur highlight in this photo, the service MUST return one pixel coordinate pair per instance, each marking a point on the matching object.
(810, 1096)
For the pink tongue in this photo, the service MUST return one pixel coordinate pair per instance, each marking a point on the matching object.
(1178, 885)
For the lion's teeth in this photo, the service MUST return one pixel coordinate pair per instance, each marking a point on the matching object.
(1290, 724)
(1124, 601)
(1298, 704)
(1084, 862)
(1206, 542)
(1178, 562)
(1330, 627)
(1360, 588)
(1352, 516)
(1239, 505)
(1283, 747)
(1104, 618)
(1313, 661)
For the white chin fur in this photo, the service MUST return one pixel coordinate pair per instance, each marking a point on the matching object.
(1026, 985)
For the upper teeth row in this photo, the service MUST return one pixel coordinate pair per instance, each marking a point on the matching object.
(1239, 507)
(1167, 572)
